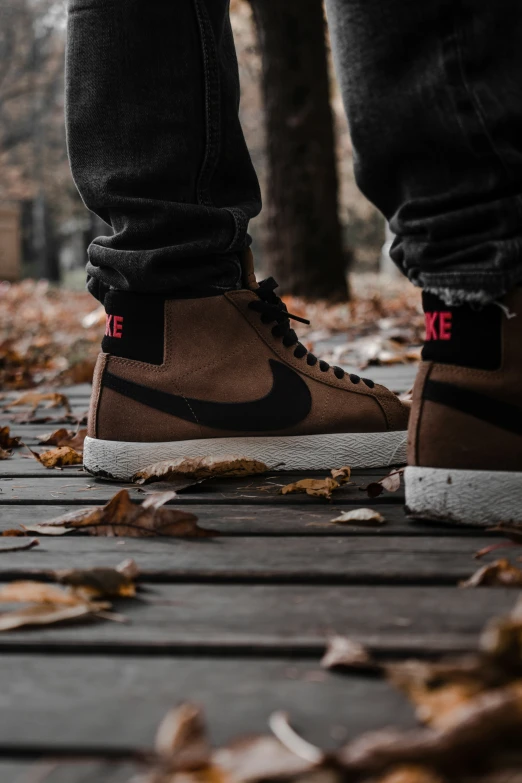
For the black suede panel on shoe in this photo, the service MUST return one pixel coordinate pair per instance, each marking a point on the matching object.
(134, 327)
(467, 335)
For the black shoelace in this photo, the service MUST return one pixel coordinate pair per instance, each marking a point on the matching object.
(273, 310)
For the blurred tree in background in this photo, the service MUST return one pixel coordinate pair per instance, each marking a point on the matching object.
(33, 160)
(304, 247)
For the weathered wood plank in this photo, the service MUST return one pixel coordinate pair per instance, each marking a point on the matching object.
(326, 560)
(274, 520)
(109, 702)
(21, 466)
(194, 620)
(56, 488)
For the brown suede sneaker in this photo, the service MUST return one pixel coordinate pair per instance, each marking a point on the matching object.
(465, 435)
(226, 375)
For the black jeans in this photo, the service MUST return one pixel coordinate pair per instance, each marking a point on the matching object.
(433, 92)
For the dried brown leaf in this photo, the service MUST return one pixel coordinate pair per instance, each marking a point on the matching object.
(36, 399)
(181, 739)
(279, 722)
(435, 690)
(360, 517)
(344, 653)
(501, 573)
(27, 544)
(49, 605)
(48, 530)
(64, 437)
(4, 454)
(8, 441)
(44, 614)
(320, 488)
(14, 531)
(59, 457)
(474, 731)
(342, 475)
(410, 774)
(129, 568)
(121, 517)
(26, 592)
(101, 582)
(391, 483)
(200, 468)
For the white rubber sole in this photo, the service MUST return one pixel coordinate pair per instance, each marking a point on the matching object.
(121, 461)
(467, 497)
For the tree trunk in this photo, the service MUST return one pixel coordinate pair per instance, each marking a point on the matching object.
(305, 251)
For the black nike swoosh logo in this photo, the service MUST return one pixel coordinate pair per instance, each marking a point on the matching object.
(500, 414)
(287, 403)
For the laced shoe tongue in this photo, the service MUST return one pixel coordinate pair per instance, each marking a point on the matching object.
(270, 304)
(265, 291)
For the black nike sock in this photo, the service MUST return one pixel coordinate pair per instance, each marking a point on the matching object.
(134, 326)
(468, 335)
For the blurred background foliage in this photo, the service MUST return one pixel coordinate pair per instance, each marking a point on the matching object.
(315, 223)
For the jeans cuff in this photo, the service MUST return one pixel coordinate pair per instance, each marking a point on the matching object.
(241, 223)
(479, 288)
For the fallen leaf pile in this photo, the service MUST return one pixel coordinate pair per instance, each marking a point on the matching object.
(382, 325)
(121, 517)
(320, 488)
(35, 407)
(42, 338)
(35, 400)
(470, 710)
(52, 335)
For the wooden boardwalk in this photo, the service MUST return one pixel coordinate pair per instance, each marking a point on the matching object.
(237, 623)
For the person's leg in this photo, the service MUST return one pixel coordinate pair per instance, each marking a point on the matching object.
(190, 366)
(155, 144)
(432, 91)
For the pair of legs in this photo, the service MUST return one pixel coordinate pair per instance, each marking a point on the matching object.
(432, 92)
(433, 97)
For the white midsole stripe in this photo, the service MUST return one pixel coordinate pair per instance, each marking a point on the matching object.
(121, 460)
